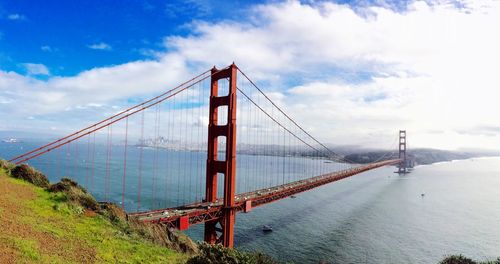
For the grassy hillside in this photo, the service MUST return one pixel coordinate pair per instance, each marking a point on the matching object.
(38, 226)
(63, 223)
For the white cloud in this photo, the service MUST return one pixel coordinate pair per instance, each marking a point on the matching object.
(36, 69)
(88, 95)
(429, 68)
(434, 66)
(16, 17)
(100, 46)
(46, 48)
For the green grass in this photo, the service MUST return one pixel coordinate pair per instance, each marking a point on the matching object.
(28, 248)
(50, 213)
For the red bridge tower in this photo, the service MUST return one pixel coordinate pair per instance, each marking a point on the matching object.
(227, 166)
(402, 151)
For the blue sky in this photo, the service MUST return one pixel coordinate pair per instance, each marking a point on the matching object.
(69, 37)
(350, 71)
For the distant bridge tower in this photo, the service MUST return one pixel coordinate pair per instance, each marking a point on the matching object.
(221, 228)
(402, 151)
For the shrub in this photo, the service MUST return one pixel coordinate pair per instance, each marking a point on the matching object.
(459, 259)
(113, 212)
(7, 166)
(75, 193)
(31, 175)
(162, 235)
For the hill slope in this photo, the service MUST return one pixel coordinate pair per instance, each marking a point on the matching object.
(38, 226)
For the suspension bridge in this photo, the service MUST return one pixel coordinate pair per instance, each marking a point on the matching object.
(180, 159)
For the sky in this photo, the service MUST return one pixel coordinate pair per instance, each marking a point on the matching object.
(351, 72)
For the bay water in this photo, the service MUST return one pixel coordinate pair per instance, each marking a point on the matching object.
(374, 217)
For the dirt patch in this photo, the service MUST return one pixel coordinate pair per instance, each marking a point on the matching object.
(89, 213)
(7, 254)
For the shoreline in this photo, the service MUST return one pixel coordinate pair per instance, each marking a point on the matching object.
(458, 160)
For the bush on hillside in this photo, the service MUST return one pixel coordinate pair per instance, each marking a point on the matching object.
(215, 254)
(7, 166)
(459, 259)
(75, 193)
(163, 236)
(31, 175)
(113, 212)
(156, 233)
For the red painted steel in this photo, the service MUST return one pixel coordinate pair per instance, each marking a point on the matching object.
(183, 223)
(248, 206)
(226, 167)
(211, 178)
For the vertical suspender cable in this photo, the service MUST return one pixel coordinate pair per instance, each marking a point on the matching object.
(141, 153)
(87, 162)
(106, 178)
(93, 163)
(124, 163)
(179, 160)
(191, 161)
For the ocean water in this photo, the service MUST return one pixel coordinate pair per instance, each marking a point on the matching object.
(381, 217)
(374, 217)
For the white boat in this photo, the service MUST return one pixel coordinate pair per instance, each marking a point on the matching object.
(10, 140)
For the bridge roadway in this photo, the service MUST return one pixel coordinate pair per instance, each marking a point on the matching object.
(183, 216)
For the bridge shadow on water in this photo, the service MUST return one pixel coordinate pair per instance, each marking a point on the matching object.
(337, 244)
(310, 208)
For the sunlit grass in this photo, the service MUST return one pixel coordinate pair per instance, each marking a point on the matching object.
(28, 248)
(50, 213)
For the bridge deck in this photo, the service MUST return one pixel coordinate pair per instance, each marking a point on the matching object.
(201, 212)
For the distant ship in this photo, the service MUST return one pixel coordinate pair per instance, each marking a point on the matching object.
(11, 140)
(267, 228)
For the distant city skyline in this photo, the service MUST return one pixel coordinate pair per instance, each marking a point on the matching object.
(349, 72)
